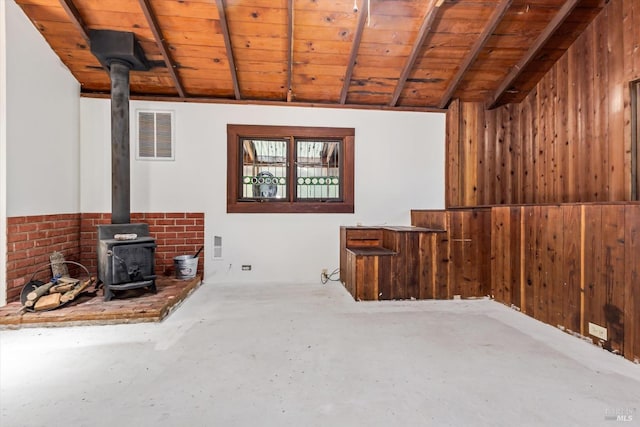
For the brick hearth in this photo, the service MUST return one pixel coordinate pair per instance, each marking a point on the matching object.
(136, 306)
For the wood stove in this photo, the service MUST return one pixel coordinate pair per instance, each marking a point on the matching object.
(126, 258)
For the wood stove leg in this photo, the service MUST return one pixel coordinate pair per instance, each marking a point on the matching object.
(107, 293)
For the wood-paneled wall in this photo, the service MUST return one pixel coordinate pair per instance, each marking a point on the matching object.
(568, 141)
(570, 265)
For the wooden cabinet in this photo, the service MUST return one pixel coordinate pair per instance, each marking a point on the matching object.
(386, 263)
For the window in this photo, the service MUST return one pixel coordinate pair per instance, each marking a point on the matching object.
(155, 135)
(282, 169)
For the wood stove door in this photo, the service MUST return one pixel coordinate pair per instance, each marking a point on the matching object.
(132, 263)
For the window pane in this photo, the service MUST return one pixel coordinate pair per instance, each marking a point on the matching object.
(317, 170)
(264, 169)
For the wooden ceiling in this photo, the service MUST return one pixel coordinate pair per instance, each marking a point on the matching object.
(390, 54)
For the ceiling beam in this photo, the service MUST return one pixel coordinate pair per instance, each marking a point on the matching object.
(162, 44)
(76, 19)
(362, 19)
(227, 43)
(494, 20)
(434, 7)
(290, 50)
(542, 39)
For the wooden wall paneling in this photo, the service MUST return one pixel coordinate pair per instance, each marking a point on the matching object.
(541, 287)
(398, 281)
(498, 159)
(614, 93)
(541, 152)
(571, 268)
(443, 267)
(384, 278)
(350, 274)
(553, 229)
(516, 244)
(501, 254)
(483, 253)
(473, 267)
(632, 283)
(453, 152)
(412, 263)
(601, 94)
(613, 274)
(592, 154)
(594, 288)
(358, 284)
(528, 132)
(561, 124)
(368, 288)
(487, 161)
(473, 122)
(515, 156)
(343, 255)
(436, 219)
(428, 262)
(456, 254)
(531, 259)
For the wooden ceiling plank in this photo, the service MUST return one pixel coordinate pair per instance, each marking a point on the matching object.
(355, 47)
(415, 50)
(494, 20)
(289, 50)
(162, 44)
(548, 32)
(76, 19)
(227, 42)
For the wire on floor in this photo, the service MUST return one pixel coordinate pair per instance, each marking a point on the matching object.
(334, 276)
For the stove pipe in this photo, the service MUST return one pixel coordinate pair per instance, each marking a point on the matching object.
(119, 52)
(120, 163)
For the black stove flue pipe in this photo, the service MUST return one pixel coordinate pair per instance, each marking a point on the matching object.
(120, 53)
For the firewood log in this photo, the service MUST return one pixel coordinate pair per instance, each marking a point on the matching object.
(62, 288)
(69, 296)
(39, 291)
(47, 302)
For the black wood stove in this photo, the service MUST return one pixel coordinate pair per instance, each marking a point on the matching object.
(126, 252)
(126, 258)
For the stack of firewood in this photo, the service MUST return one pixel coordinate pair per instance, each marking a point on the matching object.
(56, 293)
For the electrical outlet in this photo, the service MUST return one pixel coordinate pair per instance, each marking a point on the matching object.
(598, 331)
(246, 267)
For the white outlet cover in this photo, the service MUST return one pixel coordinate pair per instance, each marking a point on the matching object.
(598, 331)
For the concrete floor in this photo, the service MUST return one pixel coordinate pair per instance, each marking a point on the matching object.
(308, 355)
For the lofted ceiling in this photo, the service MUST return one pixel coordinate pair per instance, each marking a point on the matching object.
(389, 54)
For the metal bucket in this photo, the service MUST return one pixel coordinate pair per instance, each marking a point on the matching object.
(186, 266)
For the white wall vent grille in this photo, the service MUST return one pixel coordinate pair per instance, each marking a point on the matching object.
(217, 247)
(155, 135)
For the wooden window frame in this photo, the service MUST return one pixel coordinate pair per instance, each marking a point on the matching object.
(235, 204)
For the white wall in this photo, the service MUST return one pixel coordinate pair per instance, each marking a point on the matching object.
(42, 135)
(39, 129)
(399, 165)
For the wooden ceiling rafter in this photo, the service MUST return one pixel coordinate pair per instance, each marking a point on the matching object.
(355, 46)
(290, 50)
(493, 22)
(425, 28)
(227, 42)
(542, 39)
(162, 45)
(76, 19)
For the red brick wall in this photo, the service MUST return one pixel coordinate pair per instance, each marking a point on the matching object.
(31, 239)
(30, 242)
(175, 233)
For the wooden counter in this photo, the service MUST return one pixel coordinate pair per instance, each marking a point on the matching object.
(388, 262)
